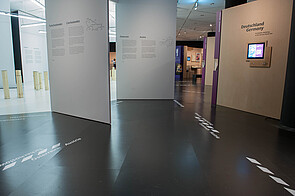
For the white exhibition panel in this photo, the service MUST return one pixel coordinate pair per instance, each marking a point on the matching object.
(146, 39)
(77, 34)
(210, 60)
(34, 52)
(6, 50)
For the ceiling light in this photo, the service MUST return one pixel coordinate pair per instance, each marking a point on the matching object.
(196, 5)
(33, 25)
(211, 25)
(38, 3)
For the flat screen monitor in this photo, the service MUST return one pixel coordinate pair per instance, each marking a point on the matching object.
(188, 58)
(256, 51)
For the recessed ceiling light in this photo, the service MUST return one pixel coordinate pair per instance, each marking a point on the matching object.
(211, 25)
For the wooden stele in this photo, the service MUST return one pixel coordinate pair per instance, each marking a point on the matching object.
(19, 84)
(36, 80)
(40, 80)
(5, 84)
(46, 81)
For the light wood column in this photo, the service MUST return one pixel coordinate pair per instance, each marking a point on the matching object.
(46, 80)
(36, 80)
(5, 84)
(19, 84)
(40, 80)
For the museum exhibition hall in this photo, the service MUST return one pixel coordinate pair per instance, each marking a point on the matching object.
(147, 97)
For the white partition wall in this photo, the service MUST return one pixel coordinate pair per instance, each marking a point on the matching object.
(146, 33)
(6, 51)
(77, 34)
(210, 60)
(34, 53)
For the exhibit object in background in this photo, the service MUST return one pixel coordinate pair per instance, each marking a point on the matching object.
(259, 54)
(19, 84)
(216, 58)
(78, 51)
(198, 57)
(5, 84)
(46, 80)
(146, 51)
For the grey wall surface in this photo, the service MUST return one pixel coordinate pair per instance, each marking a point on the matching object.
(77, 34)
(146, 33)
(6, 49)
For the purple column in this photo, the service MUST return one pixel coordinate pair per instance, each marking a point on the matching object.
(216, 57)
(204, 65)
(179, 60)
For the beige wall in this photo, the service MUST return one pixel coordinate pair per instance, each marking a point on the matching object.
(210, 60)
(255, 90)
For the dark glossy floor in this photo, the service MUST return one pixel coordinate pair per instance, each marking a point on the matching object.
(153, 148)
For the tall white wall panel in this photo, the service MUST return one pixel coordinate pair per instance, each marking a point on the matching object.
(210, 60)
(34, 53)
(77, 34)
(146, 36)
(6, 50)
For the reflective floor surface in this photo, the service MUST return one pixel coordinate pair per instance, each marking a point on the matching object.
(153, 148)
(33, 101)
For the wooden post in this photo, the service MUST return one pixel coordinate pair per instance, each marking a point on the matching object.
(36, 80)
(40, 80)
(5, 84)
(46, 81)
(19, 83)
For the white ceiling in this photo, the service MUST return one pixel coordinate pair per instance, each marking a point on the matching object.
(191, 24)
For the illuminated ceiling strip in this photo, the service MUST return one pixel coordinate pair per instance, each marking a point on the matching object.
(38, 3)
(33, 25)
(22, 16)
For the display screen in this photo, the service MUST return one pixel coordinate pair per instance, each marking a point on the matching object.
(256, 51)
(188, 58)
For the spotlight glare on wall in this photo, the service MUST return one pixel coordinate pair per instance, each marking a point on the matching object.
(41, 31)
